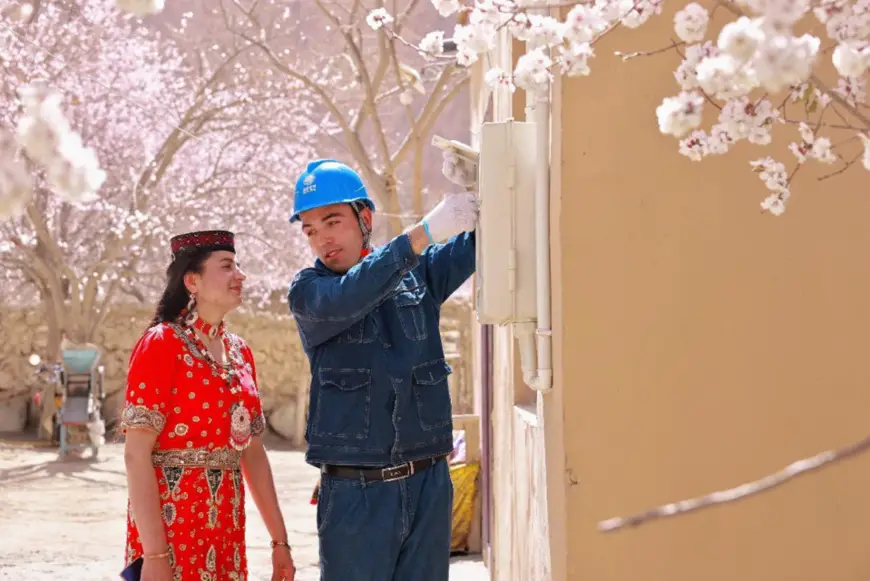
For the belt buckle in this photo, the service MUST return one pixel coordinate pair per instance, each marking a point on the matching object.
(401, 472)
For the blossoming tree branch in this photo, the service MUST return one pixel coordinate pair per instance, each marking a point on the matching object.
(757, 74)
(382, 100)
(122, 137)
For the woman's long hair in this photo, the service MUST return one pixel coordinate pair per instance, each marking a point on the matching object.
(175, 296)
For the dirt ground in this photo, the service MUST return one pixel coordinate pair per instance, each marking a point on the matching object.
(64, 519)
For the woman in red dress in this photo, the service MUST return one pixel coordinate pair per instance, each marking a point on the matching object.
(193, 421)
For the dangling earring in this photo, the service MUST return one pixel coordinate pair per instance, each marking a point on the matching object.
(190, 315)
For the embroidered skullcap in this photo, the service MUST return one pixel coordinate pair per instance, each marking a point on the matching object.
(210, 240)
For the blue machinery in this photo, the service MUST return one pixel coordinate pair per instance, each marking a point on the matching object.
(79, 413)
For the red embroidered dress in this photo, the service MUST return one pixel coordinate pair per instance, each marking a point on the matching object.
(205, 415)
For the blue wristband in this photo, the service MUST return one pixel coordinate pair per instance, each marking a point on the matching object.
(428, 234)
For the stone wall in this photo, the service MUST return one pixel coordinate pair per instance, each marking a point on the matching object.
(282, 368)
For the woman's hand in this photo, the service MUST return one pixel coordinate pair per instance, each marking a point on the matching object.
(156, 570)
(283, 568)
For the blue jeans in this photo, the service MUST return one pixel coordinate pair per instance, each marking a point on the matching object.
(386, 531)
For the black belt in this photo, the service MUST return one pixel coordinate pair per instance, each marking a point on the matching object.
(383, 474)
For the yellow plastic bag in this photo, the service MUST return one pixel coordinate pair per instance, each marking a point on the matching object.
(464, 477)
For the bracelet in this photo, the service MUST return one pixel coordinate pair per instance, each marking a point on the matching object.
(274, 544)
(157, 555)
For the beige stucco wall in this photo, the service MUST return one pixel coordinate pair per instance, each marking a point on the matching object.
(704, 344)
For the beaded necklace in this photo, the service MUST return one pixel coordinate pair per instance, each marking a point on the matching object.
(230, 372)
(209, 330)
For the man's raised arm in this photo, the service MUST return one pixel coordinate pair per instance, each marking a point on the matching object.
(324, 306)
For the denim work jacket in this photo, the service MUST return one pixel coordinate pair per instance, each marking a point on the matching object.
(379, 394)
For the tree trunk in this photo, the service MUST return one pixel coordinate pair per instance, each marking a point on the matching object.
(51, 356)
(387, 191)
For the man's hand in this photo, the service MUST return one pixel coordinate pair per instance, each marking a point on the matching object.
(459, 170)
(455, 214)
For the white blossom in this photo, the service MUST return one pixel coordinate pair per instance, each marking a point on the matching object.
(752, 121)
(575, 59)
(433, 43)
(472, 41)
(754, 57)
(740, 38)
(775, 203)
(543, 32)
(489, 14)
(695, 146)
(582, 24)
(406, 97)
(812, 147)
(497, 78)
(446, 7)
(725, 78)
(378, 18)
(850, 59)
(772, 173)
(691, 22)
(16, 186)
(775, 178)
(686, 74)
(681, 114)
(75, 173)
(865, 158)
(43, 125)
(720, 140)
(779, 15)
(140, 7)
(532, 72)
(634, 13)
(852, 89)
(783, 61)
(44, 133)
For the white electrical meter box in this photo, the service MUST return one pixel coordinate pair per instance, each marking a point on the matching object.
(505, 272)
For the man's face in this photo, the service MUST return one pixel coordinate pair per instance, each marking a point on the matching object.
(334, 235)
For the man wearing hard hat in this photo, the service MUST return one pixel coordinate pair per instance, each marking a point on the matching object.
(380, 420)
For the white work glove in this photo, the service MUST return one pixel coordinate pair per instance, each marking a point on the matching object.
(459, 170)
(455, 214)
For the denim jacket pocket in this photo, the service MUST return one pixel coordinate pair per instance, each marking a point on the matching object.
(411, 313)
(343, 402)
(432, 394)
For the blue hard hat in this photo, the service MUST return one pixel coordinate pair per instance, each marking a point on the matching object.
(325, 182)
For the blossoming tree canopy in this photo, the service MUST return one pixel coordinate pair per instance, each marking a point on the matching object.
(187, 138)
(752, 73)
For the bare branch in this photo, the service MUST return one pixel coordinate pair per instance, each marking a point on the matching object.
(791, 471)
(431, 111)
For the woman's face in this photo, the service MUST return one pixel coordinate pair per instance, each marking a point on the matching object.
(219, 285)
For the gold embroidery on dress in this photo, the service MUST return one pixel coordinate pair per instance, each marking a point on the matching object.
(221, 458)
(211, 559)
(237, 497)
(210, 565)
(139, 416)
(169, 513)
(214, 477)
(258, 425)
